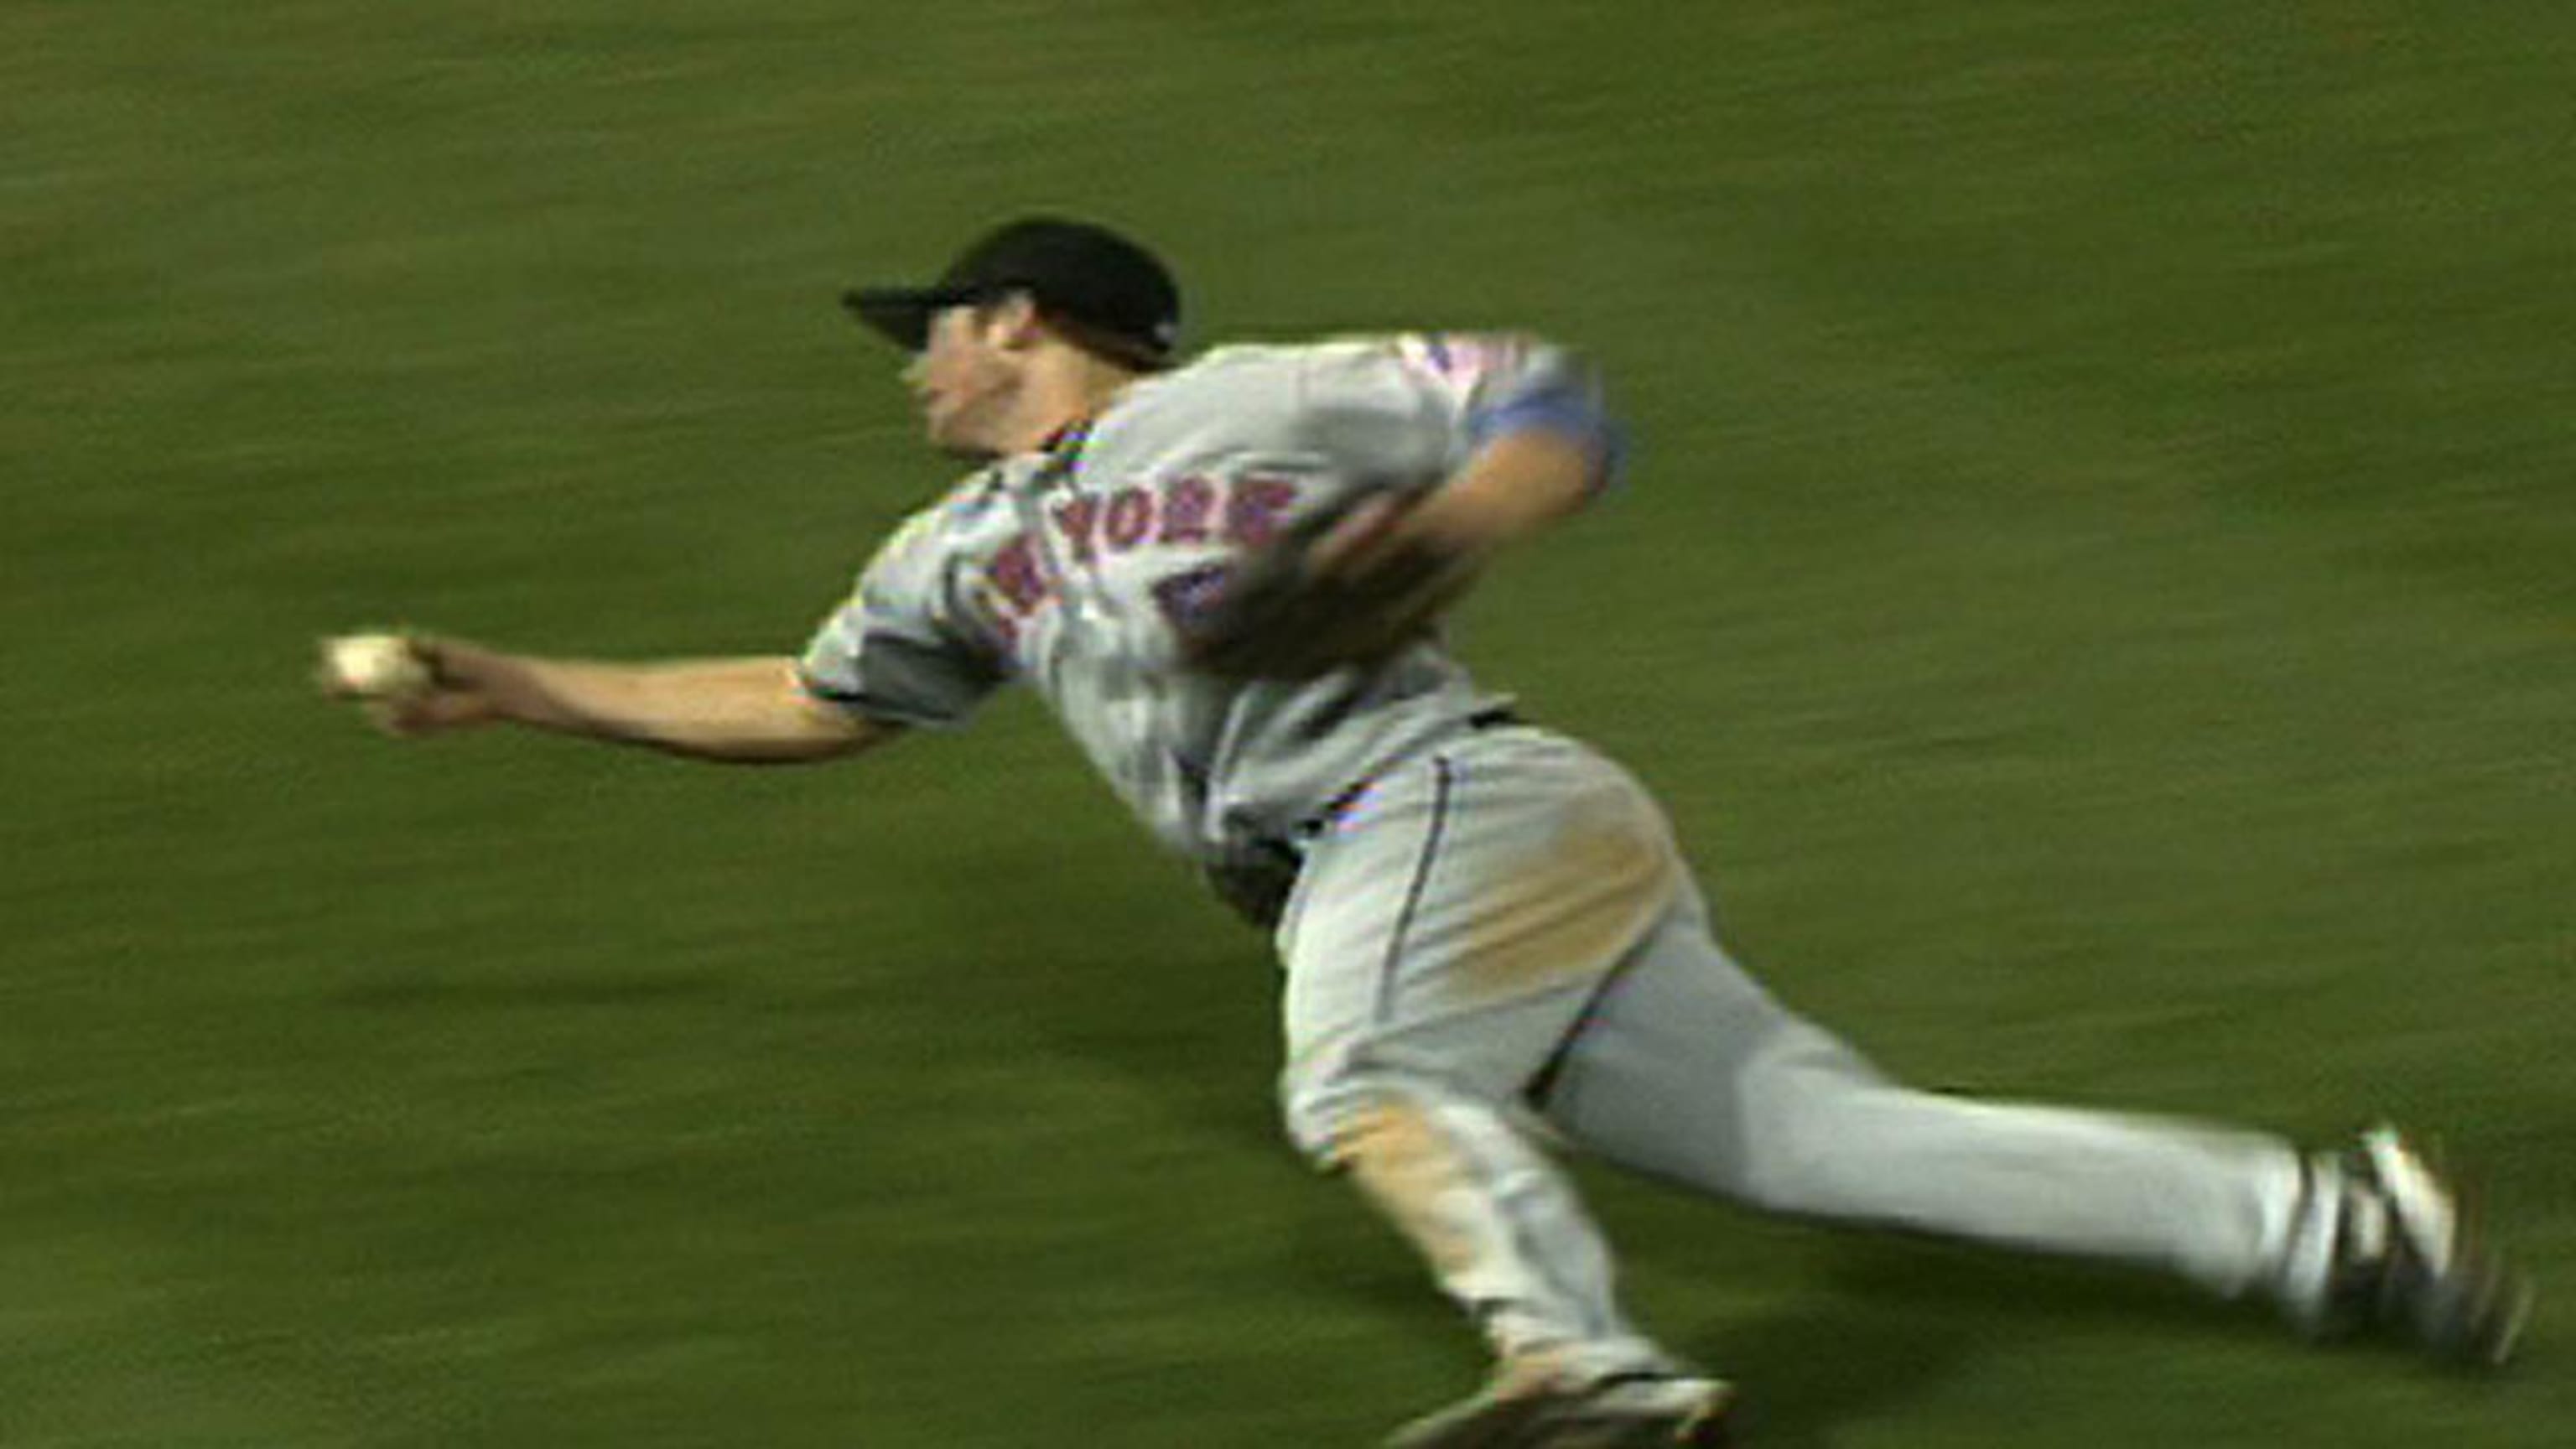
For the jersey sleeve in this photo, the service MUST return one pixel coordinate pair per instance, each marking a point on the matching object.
(1424, 403)
(898, 649)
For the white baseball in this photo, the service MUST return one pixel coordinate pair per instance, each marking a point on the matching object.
(377, 666)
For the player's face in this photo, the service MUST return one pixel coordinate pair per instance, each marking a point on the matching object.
(965, 379)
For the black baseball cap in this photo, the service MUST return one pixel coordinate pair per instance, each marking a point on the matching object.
(1112, 290)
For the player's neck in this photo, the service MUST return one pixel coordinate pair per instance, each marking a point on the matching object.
(1064, 387)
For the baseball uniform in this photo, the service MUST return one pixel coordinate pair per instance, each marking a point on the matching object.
(1488, 933)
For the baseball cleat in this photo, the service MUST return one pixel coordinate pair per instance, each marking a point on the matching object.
(2398, 1250)
(1623, 1411)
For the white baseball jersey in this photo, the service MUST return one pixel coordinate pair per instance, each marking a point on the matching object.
(1069, 568)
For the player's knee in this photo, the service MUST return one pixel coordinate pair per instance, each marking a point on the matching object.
(1787, 1170)
(1802, 1118)
(1321, 1104)
(1332, 1102)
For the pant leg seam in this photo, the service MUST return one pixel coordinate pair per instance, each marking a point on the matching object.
(1544, 1082)
(1442, 778)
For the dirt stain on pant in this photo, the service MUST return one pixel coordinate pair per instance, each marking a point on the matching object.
(1573, 906)
(1413, 1176)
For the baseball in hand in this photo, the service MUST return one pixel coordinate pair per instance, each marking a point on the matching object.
(375, 666)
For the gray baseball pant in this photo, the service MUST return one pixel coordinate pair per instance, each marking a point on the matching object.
(1497, 943)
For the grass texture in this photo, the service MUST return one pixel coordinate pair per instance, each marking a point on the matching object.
(2094, 590)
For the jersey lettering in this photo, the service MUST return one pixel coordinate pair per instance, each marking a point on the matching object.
(1131, 517)
(1243, 512)
(1187, 505)
(1075, 518)
(1015, 572)
(1253, 506)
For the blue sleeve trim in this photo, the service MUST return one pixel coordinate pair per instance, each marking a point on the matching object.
(1564, 412)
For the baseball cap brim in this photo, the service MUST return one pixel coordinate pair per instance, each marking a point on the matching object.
(902, 314)
(1090, 281)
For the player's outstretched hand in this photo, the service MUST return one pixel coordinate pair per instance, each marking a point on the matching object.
(409, 685)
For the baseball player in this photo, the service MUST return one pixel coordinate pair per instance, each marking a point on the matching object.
(1224, 576)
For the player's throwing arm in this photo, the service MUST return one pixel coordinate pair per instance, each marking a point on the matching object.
(751, 710)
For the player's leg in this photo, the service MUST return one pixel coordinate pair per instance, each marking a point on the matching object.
(1688, 1069)
(1409, 1083)
(1441, 942)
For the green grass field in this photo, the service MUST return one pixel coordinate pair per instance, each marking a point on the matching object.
(2095, 591)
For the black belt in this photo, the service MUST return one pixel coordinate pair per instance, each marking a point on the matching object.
(1256, 882)
(1493, 717)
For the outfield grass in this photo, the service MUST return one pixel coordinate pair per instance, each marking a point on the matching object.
(2094, 591)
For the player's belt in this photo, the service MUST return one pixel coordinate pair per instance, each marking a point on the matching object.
(1493, 717)
(1256, 882)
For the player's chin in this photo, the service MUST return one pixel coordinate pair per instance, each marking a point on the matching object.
(956, 441)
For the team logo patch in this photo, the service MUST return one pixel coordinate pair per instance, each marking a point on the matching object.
(1460, 360)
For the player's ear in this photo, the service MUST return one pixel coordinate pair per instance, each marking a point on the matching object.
(1013, 322)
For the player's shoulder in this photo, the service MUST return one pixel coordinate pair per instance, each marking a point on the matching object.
(1241, 375)
(1304, 351)
(1362, 371)
(1248, 359)
(1425, 350)
(1438, 351)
